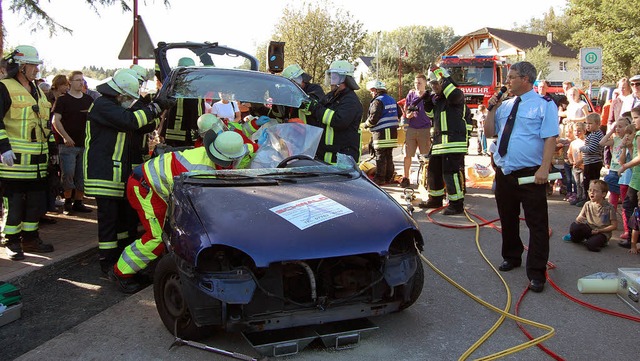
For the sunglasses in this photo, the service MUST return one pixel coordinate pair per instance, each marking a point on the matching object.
(635, 84)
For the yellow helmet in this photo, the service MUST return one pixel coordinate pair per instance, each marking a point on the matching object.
(292, 71)
(141, 73)
(224, 148)
(209, 121)
(124, 83)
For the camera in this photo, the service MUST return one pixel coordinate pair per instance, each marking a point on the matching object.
(412, 108)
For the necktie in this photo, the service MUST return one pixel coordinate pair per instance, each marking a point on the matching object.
(508, 127)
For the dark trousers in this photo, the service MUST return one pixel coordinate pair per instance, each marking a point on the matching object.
(447, 170)
(117, 223)
(384, 165)
(26, 204)
(591, 172)
(533, 198)
(582, 232)
(629, 203)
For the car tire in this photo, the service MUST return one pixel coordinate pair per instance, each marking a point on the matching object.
(170, 302)
(417, 282)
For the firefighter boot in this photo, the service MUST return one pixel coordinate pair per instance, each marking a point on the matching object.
(14, 249)
(127, 285)
(32, 243)
(432, 202)
(454, 207)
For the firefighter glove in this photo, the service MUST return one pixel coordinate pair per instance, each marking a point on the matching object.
(155, 109)
(165, 103)
(54, 159)
(8, 157)
(309, 105)
(262, 120)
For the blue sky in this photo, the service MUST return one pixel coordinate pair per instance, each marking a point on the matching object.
(97, 40)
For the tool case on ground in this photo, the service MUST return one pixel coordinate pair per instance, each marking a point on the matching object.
(629, 286)
(10, 305)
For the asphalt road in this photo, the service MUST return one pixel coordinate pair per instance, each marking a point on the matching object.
(441, 325)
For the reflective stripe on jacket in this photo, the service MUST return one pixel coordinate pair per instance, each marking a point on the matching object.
(450, 128)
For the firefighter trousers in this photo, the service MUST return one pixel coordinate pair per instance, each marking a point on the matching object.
(446, 170)
(25, 204)
(151, 209)
(116, 228)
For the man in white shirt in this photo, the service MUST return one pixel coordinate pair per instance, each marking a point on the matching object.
(632, 100)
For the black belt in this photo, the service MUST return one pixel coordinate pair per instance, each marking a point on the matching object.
(524, 172)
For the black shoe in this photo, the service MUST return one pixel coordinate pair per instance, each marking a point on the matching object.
(36, 246)
(625, 244)
(451, 210)
(14, 251)
(67, 208)
(80, 207)
(507, 266)
(405, 183)
(127, 285)
(432, 203)
(47, 220)
(536, 286)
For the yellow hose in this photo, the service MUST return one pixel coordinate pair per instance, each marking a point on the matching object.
(503, 313)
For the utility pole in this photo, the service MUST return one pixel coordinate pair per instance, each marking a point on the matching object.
(136, 20)
(378, 55)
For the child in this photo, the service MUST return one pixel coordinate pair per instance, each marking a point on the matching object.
(568, 179)
(596, 220)
(575, 159)
(634, 224)
(482, 139)
(631, 199)
(592, 152)
(625, 177)
(613, 140)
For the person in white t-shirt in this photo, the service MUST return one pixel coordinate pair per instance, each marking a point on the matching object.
(633, 100)
(226, 108)
(577, 109)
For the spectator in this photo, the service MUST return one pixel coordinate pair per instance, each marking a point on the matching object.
(383, 123)
(630, 201)
(625, 177)
(632, 100)
(592, 151)
(566, 85)
(543, 87)
(482, 139)
(562, 145)
(577, 109)
(576, 161)
(596, 221)
(59, 86)
(45, 87)
(69, 120)
(523, 151)
(226, 108)
(624, 91)
(418, 131)
(90, 92)
(614, 140)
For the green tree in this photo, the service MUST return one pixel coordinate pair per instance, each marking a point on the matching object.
(539, 57)
(315, 34)
(560, 25)
(30, 10)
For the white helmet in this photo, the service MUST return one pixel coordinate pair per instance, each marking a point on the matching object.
(376, 84)
(141, 73)
(292, 72)
(209, 121)
(224, 148)
(26, 54)
(124, 83)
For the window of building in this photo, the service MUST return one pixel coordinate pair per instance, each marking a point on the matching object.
(562, 66)
(485, 44)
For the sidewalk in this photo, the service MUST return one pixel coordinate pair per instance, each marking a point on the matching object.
(71, 235)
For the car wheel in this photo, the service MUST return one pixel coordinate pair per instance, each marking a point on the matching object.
(417, 282)
(170, 302)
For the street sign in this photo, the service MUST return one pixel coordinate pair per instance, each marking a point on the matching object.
(591, 63)
(145, 45)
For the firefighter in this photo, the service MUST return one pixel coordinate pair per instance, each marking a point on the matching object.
(295, 73)
(24, 145)
(150, 187)
(107, 160)
(383, 124)
(448, 110)
(339, 112)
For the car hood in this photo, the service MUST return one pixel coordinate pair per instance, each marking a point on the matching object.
(353, 217)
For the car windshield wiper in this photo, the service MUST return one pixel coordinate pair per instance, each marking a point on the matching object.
(305, 174)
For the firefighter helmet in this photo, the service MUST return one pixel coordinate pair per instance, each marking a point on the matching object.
(141, 73)
(341, 67)
(26, 54)
(292, 72)
(224, 148)
(186, 61)
(209, 121)
(124, 83)
(376, 84)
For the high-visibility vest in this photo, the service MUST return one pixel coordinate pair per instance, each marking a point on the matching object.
(26, 132)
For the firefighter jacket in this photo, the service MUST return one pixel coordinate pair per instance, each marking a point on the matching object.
(448, 113)
(339, 114)
(180, 125)
(383, 121)
(23, 130)
(315, 92)
(140, 139)
(107, 153)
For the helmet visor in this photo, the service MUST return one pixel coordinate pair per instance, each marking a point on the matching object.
(333, 78)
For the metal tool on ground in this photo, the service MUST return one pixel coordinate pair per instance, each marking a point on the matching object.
(238, 356)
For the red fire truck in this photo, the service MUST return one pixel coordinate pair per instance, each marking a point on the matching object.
(478, 76)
